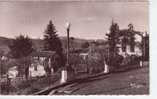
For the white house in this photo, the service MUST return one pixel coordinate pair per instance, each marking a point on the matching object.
(41, 59)
(137, 51)
(36, 70)
(12, 72)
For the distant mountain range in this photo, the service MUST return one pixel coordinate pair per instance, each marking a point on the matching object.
(38, 43)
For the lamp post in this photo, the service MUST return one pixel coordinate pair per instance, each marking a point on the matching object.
(64, 73)
(68, 30)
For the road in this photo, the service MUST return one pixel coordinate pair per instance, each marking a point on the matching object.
(133, 82)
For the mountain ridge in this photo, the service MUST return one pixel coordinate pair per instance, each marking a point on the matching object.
(38, 43)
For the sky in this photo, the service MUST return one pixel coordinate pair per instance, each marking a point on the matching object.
(89, 20)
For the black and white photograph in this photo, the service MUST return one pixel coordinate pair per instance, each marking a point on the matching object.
(74, 47)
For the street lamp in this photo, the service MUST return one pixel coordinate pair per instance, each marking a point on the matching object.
(64, 74)
(68, 30)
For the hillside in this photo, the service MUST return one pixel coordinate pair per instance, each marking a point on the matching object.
(4, 42)
(38, 43)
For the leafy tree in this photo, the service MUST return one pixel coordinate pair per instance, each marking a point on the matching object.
(128, 38)
(53, 43)
(21, 47)
(85, 45)
(145, 47)
(131, 37)
(3, 66)
(113, 59)
(72, 42)
(113, 38)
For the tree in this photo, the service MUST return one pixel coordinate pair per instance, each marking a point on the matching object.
(113, 38)
(145, 47)
(3, 68)
(128, 38)
(85, 45)
(53, 43)
(131, 37)
(21, 47)
(72, 42)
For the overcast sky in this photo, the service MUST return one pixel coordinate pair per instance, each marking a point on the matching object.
(88, 20)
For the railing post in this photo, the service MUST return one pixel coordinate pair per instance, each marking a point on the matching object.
(106, 67)
(64, 76)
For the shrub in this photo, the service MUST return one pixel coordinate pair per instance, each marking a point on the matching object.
(114, 60)
(131, 60)
(95, 63)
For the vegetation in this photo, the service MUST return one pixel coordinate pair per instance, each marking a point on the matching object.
(94, 63)
(53, 43)
(85, 45)
(21, 47)
(145, 47)
(113, 38)
(72, 42)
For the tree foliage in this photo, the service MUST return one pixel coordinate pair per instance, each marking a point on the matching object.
(145, 47)
(131, 37)
(113, 37)
(85, 45)
(53, 43)
(51, 39)
(21, 46)
(72, 42)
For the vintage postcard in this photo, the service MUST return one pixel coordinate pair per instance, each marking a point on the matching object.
(74, 47)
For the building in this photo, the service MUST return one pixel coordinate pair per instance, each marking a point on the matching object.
(127, 43)
(12, 72)
(40, 61)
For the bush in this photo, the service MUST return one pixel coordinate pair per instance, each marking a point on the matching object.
(114, 61)
(131, 60)
(76, 63)
(93, 64)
